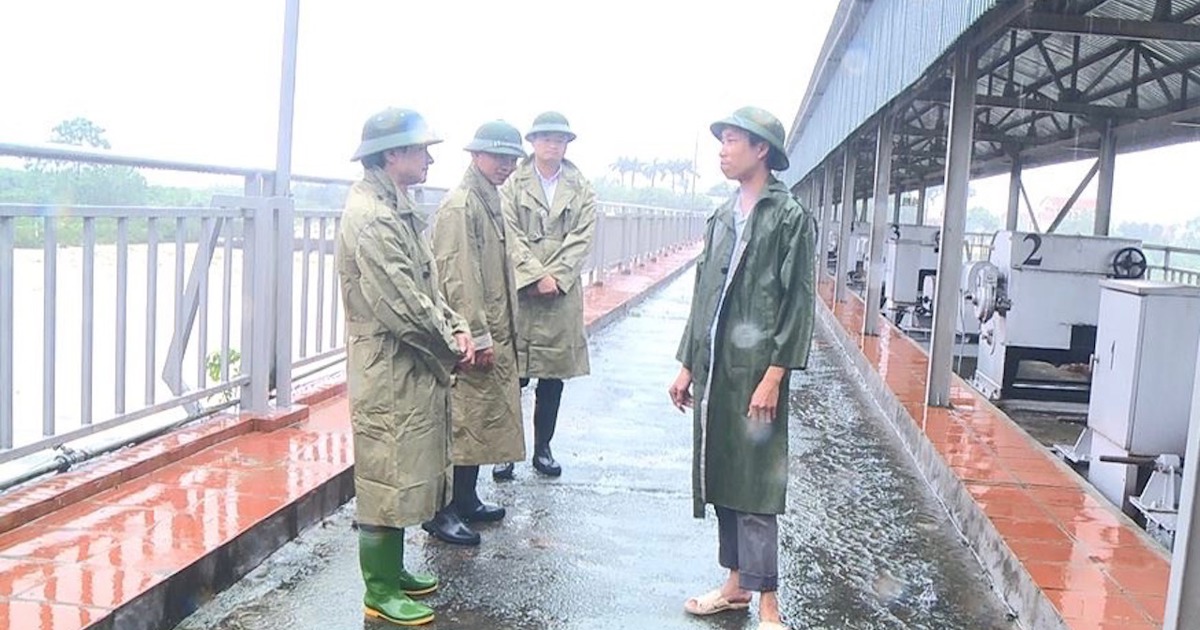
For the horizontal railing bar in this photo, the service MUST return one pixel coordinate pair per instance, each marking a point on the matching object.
(316, 358)
(112, 212)
(113, 423)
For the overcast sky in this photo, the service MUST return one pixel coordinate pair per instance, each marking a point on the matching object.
(200, 80)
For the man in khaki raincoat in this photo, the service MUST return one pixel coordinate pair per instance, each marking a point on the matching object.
(470, 246)
(751, 324)
(551, 210)
(403, 343)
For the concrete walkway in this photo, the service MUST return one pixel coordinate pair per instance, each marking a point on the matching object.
(612, 544)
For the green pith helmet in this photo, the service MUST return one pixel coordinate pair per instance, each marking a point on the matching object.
(393, 128)
(497, 137)
(550, 122)
(761, 123)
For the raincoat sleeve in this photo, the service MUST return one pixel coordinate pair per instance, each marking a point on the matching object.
(793, 333)
(455, 248)
(394, 298)
(684, 353)
(566, 264)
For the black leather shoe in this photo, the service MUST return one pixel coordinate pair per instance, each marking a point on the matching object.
(503, 472)
(447, 527)
(544, 462)
(482, 513)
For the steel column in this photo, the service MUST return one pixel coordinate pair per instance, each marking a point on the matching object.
(7, 241)
(921, 204)
(287, 99)
(896, 206)
(1104, 189)
(1183, 589)
(842, 274)
(958, 175)
(1014, 195)
(883, 177)
(826, 221)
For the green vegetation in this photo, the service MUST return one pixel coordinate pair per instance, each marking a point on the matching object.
(61, 185)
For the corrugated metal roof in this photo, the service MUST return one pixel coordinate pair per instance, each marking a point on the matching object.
(1053, 75)
(875, 49)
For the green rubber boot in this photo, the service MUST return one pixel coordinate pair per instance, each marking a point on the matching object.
(384, 598)
(415, 584)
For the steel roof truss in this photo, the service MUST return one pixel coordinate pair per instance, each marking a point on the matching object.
(1060, 24)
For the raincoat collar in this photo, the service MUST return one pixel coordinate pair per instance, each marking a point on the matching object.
(474, 180)
(773, 188)
(402, 203)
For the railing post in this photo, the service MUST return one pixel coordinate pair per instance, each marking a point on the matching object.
(283, 210)
(257, 306)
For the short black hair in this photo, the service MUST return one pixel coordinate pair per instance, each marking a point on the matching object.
(375, 160)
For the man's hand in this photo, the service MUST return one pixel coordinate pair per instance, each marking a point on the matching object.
(466, 348)
(681, 389)
(547, 286)
(485, 359)
(766, 396)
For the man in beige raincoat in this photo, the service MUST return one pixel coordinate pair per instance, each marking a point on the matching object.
(470, 243)
(751, 324)
(551, 209)
(402, 345)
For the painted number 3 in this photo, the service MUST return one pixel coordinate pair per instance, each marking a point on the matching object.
(1033, 260)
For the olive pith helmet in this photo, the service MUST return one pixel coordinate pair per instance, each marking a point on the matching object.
(497, 137)
(393, 128)
(550, 122)
(761, 123)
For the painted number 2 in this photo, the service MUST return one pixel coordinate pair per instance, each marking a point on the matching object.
(1033, 260)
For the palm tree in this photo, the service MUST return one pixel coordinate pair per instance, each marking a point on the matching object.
(652, 170)
(625, 165)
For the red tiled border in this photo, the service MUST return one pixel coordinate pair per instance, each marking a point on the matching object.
(42, 497)
(1094, 565)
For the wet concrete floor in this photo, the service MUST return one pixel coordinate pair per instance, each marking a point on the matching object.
(612, 544)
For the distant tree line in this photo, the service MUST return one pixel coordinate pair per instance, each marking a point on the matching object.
(60, 185)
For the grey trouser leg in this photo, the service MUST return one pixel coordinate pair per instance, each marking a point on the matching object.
(749, 544)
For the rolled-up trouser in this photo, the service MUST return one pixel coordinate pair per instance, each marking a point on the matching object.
(749, 544)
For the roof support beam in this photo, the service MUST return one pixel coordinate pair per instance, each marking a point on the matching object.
(1104, 189)
(954, 223)
(1123, 29)
(826, 217)
(883, 182)
(844, 253)
(1014, 195)
(1041, 104)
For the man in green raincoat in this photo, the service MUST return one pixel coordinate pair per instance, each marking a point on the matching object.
(751, 324)
(470, 245)
(551, 211)
(403, 344)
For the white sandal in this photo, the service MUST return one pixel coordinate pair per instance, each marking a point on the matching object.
(712, 603)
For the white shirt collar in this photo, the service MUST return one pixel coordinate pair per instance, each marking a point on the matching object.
(549, 180)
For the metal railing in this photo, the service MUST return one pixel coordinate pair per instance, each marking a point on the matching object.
(191, 296)
(1173, 264)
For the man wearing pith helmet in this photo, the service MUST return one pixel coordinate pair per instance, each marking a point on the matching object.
(470, 246)
(551, 209)
(403, 345)
(751, 324)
